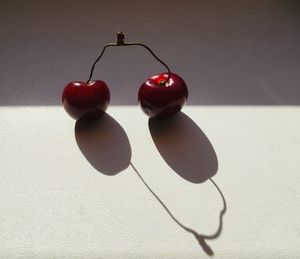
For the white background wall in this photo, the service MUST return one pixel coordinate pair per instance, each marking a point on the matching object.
(229, 52)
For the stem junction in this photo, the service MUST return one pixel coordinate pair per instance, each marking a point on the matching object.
(121, 42)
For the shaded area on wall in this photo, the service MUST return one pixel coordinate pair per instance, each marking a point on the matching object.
(228, 52)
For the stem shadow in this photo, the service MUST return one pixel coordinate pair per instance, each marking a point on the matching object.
(200, 237)
(106, 146)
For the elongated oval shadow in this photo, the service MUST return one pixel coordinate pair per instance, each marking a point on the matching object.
(184, 147)
(104, 144)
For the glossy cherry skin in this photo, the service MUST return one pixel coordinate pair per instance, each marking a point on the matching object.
(159, 100)
(86, 101)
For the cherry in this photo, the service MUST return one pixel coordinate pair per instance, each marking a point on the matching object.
(161, 96)
(86, 101)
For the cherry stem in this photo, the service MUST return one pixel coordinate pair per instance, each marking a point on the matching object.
(121, 42)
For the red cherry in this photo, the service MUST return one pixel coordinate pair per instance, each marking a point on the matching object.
(86, 101)
(158, 99)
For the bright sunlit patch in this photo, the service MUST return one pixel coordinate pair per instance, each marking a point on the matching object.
(155, 77)
(170, 82)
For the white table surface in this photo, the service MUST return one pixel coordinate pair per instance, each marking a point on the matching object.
(64, 193)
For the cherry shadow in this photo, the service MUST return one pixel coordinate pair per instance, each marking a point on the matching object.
(184, 147)
(104, 144)
(188, 151)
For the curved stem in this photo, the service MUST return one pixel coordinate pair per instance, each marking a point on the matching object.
(100, 56)
(121, 42)
(152, 53)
